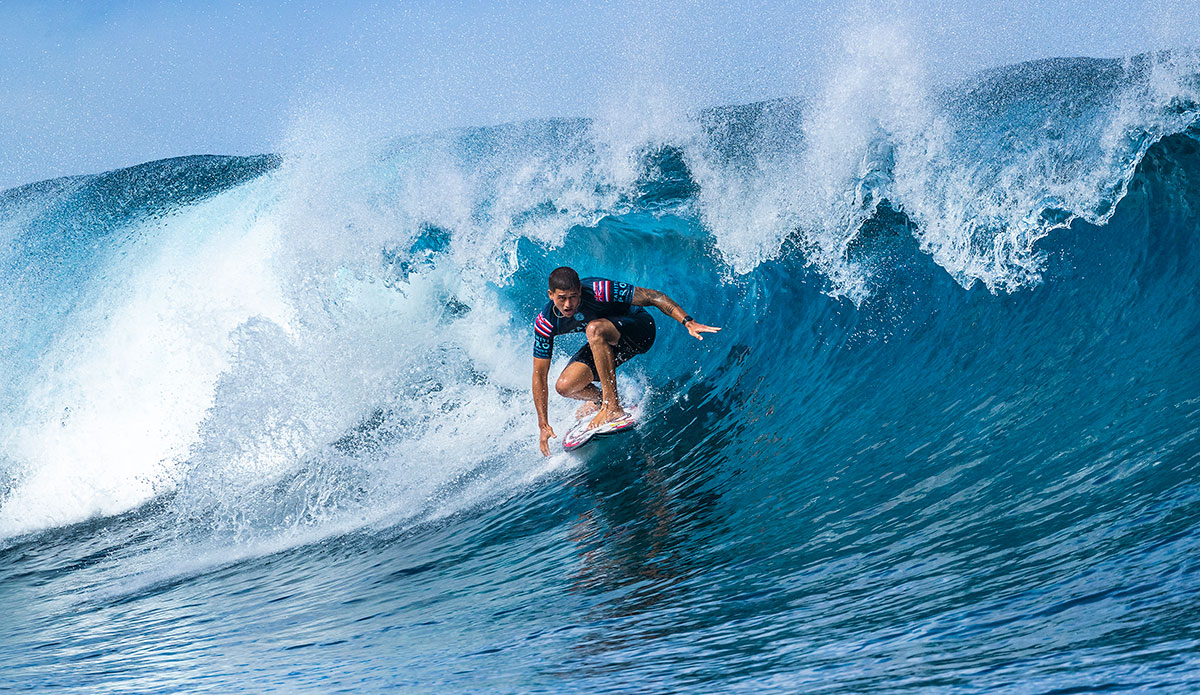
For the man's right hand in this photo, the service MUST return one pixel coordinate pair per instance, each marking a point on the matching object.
(546, 435)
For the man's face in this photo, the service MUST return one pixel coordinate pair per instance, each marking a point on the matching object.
(566, 301)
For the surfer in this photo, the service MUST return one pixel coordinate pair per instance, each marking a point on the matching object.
(617, 328)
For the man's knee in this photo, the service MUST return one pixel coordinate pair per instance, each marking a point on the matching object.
(602, 330)
(576, 376)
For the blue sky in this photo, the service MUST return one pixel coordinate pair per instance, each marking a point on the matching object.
(91, 86)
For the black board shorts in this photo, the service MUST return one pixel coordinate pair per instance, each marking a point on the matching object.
(637, 335)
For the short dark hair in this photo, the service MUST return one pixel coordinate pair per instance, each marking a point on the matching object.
(564, 278)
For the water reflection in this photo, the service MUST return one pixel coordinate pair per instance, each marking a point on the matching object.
(652, 519)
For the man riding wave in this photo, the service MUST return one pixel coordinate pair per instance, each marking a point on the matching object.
(617, 327)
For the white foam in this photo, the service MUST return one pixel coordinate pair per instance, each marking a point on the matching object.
(804, 179)
(981, 220)
(118, 397)
(229, 346)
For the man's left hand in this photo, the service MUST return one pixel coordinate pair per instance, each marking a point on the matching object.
(696, 328)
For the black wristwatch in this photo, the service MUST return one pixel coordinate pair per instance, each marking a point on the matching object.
(687, 318)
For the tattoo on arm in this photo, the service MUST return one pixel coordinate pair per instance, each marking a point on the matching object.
(644, 296)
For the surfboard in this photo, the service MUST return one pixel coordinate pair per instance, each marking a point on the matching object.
(579, 434)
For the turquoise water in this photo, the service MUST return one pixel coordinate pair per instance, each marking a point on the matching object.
(267, 423)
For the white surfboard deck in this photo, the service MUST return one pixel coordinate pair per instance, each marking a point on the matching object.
(579, 434)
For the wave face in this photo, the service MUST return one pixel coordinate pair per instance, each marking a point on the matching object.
(266, 421)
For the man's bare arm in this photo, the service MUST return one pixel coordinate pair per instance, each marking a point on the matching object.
(644, 296)
(541, 369)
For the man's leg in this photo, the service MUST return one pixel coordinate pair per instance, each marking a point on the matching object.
(602, 335)
(576, 382)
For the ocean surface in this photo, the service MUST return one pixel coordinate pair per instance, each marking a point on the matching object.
(266, 426)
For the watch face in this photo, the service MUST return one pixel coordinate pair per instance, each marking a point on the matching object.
(579, 316)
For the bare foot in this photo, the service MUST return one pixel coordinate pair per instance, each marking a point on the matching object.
(607, 415)
(587, 409)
